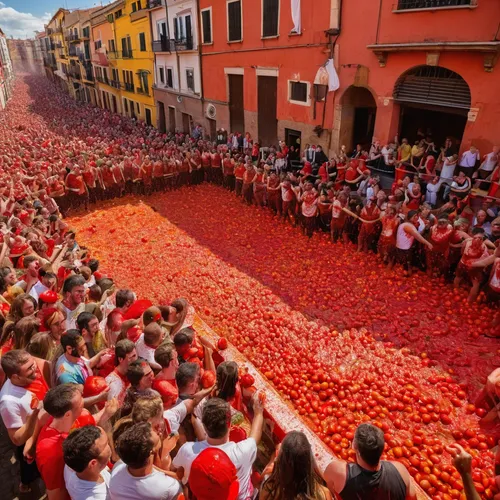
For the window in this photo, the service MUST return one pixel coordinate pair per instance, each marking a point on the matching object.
(234, 21)
(97, 44)
(430, 4)
(270, 17)
(142, 42)
(206, 21)
(125, 105)
(162, 75)
(127, 47)
(170, 78)
(182, 28)
(118, 13)
(111, 45)
(162, 30)
(298, 92)
(86, 32)
(190, 79)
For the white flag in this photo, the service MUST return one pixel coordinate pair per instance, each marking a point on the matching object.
(333, 78)
(296, 16)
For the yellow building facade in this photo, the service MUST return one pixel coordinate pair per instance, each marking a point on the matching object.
(58, 47)
(131, 59)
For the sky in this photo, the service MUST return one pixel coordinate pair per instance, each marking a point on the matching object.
(20, 18)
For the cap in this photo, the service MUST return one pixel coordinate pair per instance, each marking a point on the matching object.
(213, 476)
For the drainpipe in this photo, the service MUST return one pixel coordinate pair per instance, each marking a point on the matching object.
(200, 60)
(378, 20)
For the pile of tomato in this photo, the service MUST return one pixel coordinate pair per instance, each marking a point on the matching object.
(341, 338)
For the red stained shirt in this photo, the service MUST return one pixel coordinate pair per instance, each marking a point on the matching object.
(49, 457)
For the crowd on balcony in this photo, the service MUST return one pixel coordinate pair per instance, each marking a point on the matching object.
(105, 396)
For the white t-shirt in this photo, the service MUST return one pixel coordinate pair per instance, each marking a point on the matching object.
(117, 387)
(37, 289)
(146, 352)
(79, 489)
(155, 486)
(71, 315)
(490, 161)
(469, 159)
(447, 170)
(176, 416)
(242, 455)
(14, 405)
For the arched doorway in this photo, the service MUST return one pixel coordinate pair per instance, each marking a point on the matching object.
(433, 101)
(359, 111)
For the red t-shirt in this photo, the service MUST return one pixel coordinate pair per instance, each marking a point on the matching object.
(49, 457)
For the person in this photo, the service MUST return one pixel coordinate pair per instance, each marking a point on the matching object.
(73, 302)
(404, 151)
(439, 235)
(490, 162)
(166, 358)
(86, 453)
(293, 473)
(70, 366)
(216, 422)
(64, 404)
(118, 383)
(405, 236)
(45, 283)
(463, 463)
(369, 476)
(187, 379)
(141, 376)
(19, 405)
(387, 241)
(474, 249)
(468, 160)
(147, 343)
(88, 326)
(135, 477)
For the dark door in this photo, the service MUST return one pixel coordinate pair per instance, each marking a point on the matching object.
(115, 107)
(213, 129)
(236, 110)
(161, 117)
(267, 103)
(189, 36)
(171, 119)
(292, 138)
(148, 116)
(364, 124)
(185, 123)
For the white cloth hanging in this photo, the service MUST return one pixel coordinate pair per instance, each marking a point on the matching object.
(296, 16)
(333, 78)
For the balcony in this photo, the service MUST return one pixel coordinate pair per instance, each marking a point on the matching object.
(115, 83)
(184, 43)
(163, 45)
(74, 37)
(101, 79)
(129, 87)
(154, 3)
(138, 14)
(143, 91)
(118, 54)
(411, 5)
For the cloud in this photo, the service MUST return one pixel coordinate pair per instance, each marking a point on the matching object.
(21, 24)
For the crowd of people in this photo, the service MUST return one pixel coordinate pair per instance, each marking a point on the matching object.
(106, 396)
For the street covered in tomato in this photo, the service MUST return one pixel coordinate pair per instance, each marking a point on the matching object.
(341, 337)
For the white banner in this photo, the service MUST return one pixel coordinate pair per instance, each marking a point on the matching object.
(296, 16)
(333, 78)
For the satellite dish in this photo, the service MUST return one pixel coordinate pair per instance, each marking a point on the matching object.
(179, 99)
(211, 111)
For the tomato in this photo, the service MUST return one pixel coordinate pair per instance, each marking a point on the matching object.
(93, 386)
(84, 419)
(222, 344)
(207, 379)
(247, 380)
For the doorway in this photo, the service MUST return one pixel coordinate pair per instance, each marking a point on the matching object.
(149, 120)
(186, 123)
(161, 117)
(293, 138)
(171, 119)
(213, 129)
(359, 111)
(433, 122)
(236, 108)
(267, 107)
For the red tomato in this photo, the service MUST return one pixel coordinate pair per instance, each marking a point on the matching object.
(222, 344)
(84, 419)
(247, 380)
(207, 379)
(94, 385)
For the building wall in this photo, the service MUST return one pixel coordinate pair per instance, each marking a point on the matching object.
(291, 56)
(448, 25)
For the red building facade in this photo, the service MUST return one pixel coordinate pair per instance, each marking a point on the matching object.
(410, 64)
(258, 73)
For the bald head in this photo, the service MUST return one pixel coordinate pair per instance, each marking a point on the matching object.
(153, 335)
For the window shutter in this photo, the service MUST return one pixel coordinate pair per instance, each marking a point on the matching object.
(142, 41)
(270, 17)
(207, 28)
(188, 27)
(234, 20)
(176, 28)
